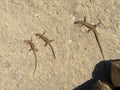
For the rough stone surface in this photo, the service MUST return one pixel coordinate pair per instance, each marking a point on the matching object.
(77, 53)
(99, 85)
(115, 73)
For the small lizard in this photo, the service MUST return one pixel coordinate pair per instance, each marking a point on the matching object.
(46, 40)
(93, 28)
(34, 51)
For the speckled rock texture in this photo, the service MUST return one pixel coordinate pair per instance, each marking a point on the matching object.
(99, 85)
(76, 53)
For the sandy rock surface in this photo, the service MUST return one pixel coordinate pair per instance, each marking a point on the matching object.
(76, 53)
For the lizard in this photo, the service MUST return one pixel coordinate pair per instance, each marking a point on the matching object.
(93, 28)
(46, 40)
(34, 51)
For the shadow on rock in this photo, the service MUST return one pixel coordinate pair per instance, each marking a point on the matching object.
(102, 71)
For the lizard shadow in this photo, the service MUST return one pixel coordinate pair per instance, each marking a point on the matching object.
(99, 73)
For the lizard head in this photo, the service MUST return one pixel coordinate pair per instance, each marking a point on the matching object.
(38, 34)
(27, 41)
(78, 22)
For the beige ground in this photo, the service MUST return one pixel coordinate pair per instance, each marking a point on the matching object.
(76, 55)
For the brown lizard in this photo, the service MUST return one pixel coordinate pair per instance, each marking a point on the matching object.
(34, 51)
(46, 40)
(93, 28)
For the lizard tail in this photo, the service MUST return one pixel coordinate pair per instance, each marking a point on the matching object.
(35, 63)
(53, 52)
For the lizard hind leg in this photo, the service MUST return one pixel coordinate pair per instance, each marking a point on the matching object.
(30, 49)
(97, 24)
(31, 39)
(44, 33)
(84, 18)
(45, 44)
(86, 33)
(88, 30)
(51, 40)
(36, 49)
